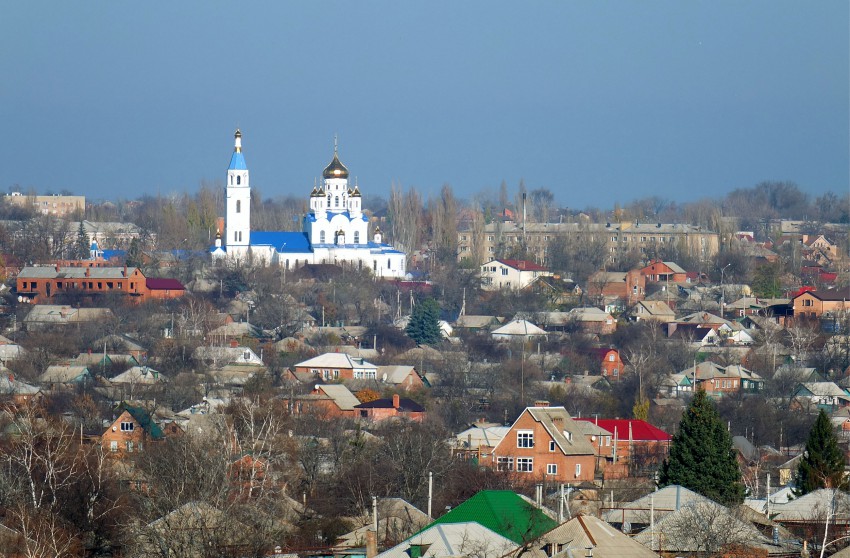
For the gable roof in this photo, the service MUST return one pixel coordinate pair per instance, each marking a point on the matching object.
(457, 539)
(503, 512)
(547, 416)
(586, 531)
(145, 421)
(341, 395)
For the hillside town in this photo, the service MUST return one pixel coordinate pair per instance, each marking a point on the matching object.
(407, 379)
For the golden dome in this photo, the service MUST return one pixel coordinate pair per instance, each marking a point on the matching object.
(336, 169)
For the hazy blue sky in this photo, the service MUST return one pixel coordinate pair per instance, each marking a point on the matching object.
(599, 101)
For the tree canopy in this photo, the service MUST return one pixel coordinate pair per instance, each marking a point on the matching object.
(424, 326)
(702, 457)
(822, 464)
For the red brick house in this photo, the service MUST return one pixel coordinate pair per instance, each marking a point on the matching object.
(545, 442)
(85, 277)
(664, 272)
(394, 408)
(331, 400)
(610, 363)
(628, 286)
(336, 366)
(130, 432)
(812, 304)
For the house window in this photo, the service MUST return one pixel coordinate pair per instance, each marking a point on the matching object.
(129, 446)
(505, 463)
(578, 469)
(525, 464)
(525, 439)
(551, 469)
(611, 357)
(127, 426)
(336, 374)
(490, 238)
(504, 271)
(551, 445)
(616, 372)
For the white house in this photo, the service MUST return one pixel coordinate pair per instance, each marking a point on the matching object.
(511, 274)
(335, 231)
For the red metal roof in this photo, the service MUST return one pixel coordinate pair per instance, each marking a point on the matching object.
(641, 430)
(523, 265)
(160, 284)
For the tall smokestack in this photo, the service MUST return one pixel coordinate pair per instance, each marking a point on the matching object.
(371, 544)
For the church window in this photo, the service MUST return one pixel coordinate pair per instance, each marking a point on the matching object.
(238, 180)
(336, 201)
(287, 264)
(238, 206)
(356, 237)
(389, 263)
(374, 265)
(322, 237)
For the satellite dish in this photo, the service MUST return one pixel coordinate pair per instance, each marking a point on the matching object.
(627, 527)
(384, 378)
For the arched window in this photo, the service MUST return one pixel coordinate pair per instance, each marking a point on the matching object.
(231, 180)
(287, 264)
(238, 206)
(336, 201)
(329, 200)
(238, 180)
(389, 263)
(356, 237)
(322, 237)
(374, 265)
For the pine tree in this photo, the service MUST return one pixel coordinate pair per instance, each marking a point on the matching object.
(424, 324)
(701, 457)
(81, 246)
(822, 464)
(134, 254)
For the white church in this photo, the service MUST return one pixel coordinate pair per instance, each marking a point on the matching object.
(335, 231)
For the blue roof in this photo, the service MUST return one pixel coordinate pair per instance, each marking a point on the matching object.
(283, 242)
(237, 161)
(109, 254)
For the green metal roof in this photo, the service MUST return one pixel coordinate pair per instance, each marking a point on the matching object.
(145, 421)
(503, 512)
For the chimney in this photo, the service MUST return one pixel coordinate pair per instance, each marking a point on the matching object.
(396, 401)
(57, 267)
(541, 403)
(521, 264)
(371, 544)
(234, 343)
(125, 270)
(88, 272)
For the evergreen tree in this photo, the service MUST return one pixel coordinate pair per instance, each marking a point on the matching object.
(424, 324)
(134, 254)
(81, 246)
(822, 464)
(701, 457)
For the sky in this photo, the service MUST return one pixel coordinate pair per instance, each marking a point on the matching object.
(601, 102)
